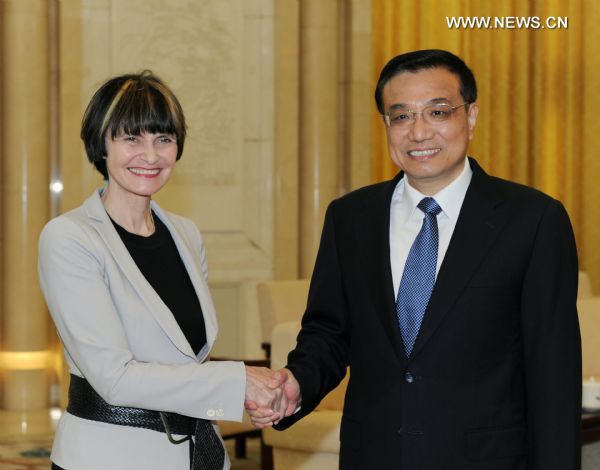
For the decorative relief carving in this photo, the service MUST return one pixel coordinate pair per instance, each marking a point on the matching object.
(218, 58)
(195, 46)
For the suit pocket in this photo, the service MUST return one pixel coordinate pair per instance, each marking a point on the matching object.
(496, 443)
(351, 433)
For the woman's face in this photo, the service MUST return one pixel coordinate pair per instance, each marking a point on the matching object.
(139, 164)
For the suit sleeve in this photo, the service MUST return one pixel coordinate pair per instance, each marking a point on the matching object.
(77, 290)
(552, 345)
(320, 358)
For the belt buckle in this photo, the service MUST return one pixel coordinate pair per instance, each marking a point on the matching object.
(163, 418)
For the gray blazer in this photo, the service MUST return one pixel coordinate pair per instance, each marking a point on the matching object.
(123, 339)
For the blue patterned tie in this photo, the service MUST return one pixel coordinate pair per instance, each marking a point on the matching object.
(418, 277)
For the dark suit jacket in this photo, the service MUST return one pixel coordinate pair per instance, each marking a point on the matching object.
(494, 380)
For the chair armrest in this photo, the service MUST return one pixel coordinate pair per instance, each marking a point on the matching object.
(317, 432)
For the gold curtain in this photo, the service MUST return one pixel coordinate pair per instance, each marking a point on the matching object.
(538, 93)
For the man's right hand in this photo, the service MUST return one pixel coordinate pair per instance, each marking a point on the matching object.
(263, 417)
(265, 391)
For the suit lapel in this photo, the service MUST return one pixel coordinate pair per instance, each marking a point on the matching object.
(477, 227)
(100, 221)
(186, 250)
(373, 236)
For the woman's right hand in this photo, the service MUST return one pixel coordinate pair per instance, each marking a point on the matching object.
(265, 394)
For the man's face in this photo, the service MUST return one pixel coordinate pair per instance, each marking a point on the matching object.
(431, 154)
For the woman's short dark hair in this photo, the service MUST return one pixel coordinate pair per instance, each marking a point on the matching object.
(134, 104)
(428, 59)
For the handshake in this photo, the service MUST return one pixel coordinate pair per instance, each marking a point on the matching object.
(270, 395)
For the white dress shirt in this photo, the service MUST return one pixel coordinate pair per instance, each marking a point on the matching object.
(406, 219)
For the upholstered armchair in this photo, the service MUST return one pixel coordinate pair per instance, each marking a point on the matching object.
(585, 286)
(279, 302)
(312, 443)
(589, 324)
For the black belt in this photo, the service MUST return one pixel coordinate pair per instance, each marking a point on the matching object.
(84, 402)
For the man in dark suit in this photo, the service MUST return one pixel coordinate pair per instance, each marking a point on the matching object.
(451, 294)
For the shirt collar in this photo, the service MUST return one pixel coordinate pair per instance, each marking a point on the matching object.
(452, 196)
(449, 198)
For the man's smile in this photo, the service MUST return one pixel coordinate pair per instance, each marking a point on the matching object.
(421, 153)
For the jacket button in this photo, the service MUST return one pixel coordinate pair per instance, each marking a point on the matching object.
(408, 378)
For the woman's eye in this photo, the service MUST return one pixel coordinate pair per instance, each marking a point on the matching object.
(130, 138)
(165, 139)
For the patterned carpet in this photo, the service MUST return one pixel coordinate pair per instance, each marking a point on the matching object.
(34, 455)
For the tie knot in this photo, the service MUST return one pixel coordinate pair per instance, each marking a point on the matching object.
(429, 206)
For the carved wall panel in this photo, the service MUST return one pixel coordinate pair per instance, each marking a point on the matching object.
(218, 58)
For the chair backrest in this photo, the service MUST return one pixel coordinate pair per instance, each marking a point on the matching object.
(585, 286)
(281, 301)
(283, 341)
(589, 323)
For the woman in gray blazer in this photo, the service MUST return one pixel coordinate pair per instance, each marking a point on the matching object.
(125, 282)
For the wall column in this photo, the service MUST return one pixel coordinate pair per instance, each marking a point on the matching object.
(24, 195)
(319, 121)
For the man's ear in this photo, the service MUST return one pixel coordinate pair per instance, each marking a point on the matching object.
(472, 117)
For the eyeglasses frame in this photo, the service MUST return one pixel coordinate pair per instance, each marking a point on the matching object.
(386, 116)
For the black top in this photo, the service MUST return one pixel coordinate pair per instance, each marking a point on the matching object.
(159, 261)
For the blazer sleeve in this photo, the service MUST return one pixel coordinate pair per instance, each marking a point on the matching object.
(77, 290)
(552, 345)
(320, 358)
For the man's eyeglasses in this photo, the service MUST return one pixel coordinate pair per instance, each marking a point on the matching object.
(432, 114)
